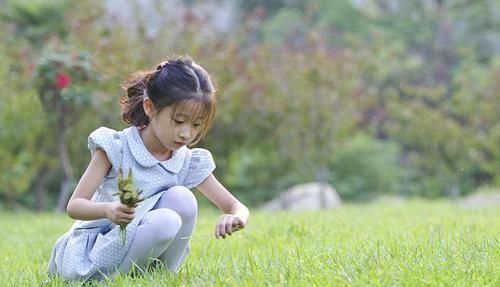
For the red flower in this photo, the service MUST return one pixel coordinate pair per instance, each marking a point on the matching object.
(62, 80)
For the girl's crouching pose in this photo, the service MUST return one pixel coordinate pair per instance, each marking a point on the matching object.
(169, 110)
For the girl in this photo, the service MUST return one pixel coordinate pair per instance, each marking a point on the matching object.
(169, 109)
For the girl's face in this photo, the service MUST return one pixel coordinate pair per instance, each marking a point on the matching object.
(174, 131)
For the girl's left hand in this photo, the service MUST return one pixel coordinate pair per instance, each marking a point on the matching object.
(227, 224)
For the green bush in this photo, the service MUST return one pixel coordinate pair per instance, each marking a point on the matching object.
(258, 175)
(365, 167)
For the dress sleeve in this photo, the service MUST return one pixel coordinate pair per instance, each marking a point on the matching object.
(200, 167)
(110, 142)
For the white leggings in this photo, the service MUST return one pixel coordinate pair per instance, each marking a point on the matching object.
(164, 232)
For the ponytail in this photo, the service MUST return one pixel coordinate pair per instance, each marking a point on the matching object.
(131, 105)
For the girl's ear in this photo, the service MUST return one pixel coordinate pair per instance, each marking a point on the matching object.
(148, 107)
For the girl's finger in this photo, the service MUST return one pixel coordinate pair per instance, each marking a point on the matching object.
(229, 227)
(221, 228)
(129, 210)
(129, 217)
(217, 234)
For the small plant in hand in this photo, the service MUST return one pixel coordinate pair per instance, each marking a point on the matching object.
(129, 195)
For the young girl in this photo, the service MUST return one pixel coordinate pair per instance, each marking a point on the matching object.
(169, 109)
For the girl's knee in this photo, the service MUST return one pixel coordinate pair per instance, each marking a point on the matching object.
(182, 193)
(183, 201)
(165, 225)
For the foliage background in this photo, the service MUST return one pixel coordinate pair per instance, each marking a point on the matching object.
(375, 97)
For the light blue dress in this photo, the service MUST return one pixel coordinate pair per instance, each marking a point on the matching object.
(91, 249)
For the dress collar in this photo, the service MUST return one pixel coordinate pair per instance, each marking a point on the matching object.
(146, 159)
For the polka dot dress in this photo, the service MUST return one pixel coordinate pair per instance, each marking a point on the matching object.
(93, 249)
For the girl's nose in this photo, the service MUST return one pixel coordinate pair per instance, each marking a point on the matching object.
(184, 135)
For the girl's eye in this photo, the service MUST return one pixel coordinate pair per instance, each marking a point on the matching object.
(196, 125)
(178, 122)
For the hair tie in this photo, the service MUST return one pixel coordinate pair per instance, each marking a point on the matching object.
(161, 65)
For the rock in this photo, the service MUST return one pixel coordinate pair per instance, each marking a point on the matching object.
(308, 196)
(481, 199)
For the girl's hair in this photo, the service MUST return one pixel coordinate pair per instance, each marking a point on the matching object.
(180, 83)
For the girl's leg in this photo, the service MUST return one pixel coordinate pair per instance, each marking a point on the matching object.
(153, 235)
(183, 202)
(164, 232)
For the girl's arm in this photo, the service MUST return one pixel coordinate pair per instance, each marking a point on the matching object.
(81, 207)
(236, 214)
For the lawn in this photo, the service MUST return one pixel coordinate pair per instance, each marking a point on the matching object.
(414, 243)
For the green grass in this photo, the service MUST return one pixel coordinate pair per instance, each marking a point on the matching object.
(415, 243)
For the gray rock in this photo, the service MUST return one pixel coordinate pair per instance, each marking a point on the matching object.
(308, 196)
(481, 199)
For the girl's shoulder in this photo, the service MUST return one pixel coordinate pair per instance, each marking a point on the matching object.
(111, 142)
(108, 139)
(200, 154)
(103, 132)
(198, 166)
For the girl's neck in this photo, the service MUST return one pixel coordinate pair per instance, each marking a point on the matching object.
(153, 145)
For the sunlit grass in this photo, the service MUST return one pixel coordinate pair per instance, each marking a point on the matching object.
(415, 243)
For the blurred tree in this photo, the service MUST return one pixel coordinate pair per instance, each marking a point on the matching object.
(21, 122)
(477, 27)
(287, 26)
(61, 78)
(37, 20)
(21, 127)
(414, 102)
(297, 108)
(434, 142)
(267, 7)
(475, 105)
(292, 22)
(386, 68)
(316, 110)
(337, 17)
(62, 81)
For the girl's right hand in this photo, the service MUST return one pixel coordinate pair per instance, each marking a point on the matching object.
(119, 213)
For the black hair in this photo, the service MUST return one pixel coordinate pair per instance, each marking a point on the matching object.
(175, 82)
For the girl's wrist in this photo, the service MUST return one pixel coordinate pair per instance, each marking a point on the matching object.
(242, 212)
(105, 209)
